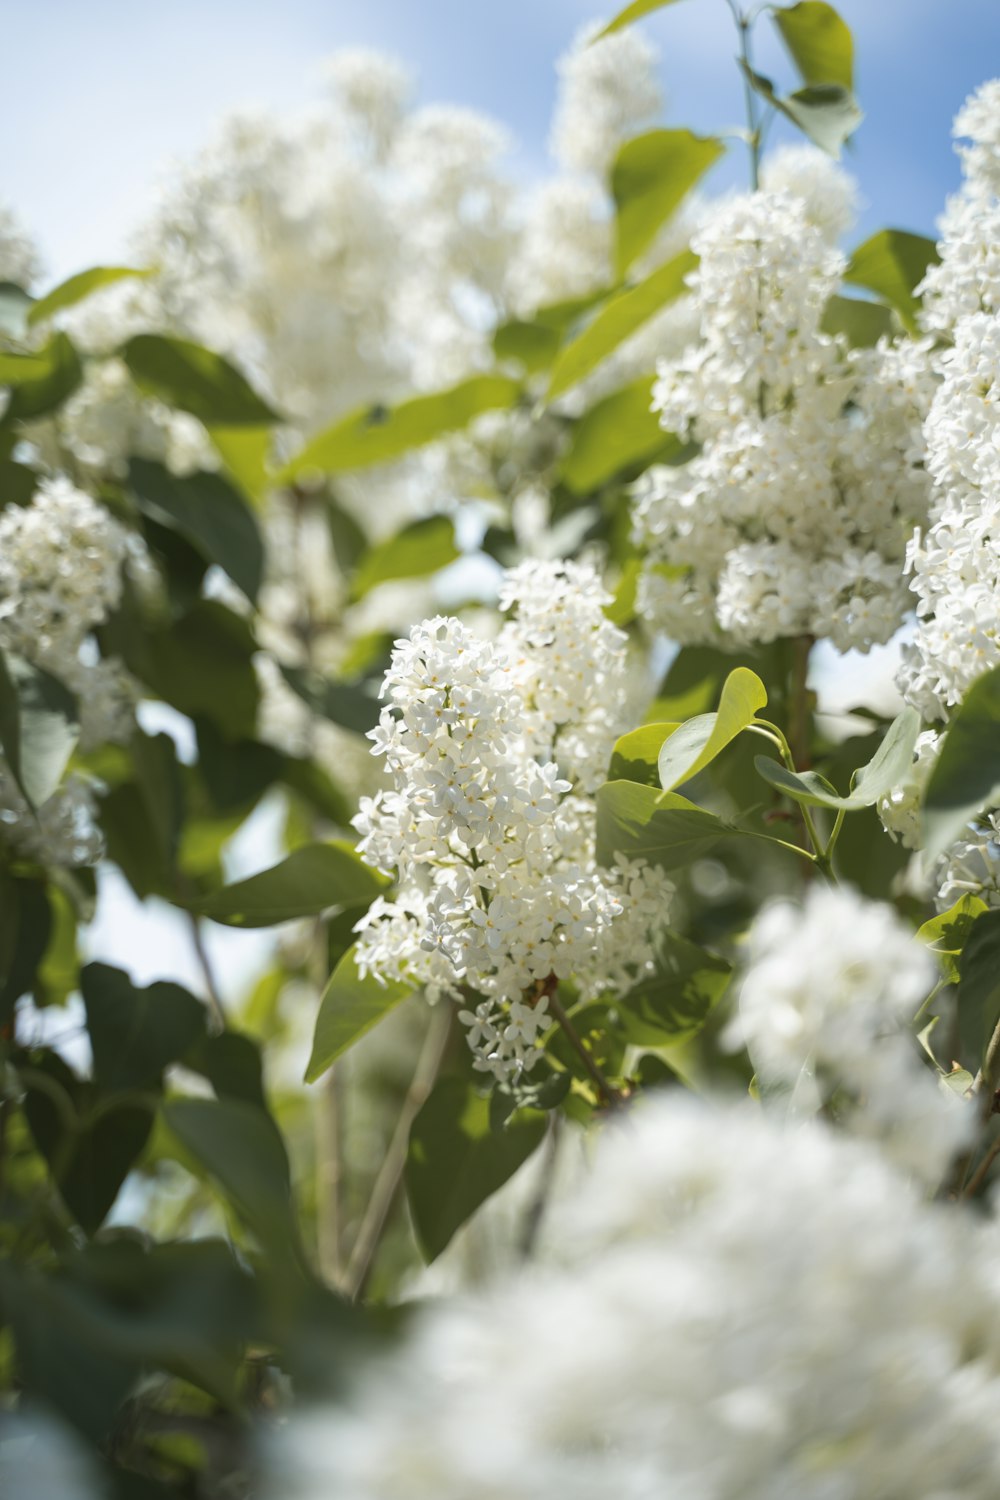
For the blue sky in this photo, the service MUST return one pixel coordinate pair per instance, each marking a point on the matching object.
(97, 99)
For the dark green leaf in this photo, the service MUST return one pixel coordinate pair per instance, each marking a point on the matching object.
(531, 345)
(312, 879)
(421, 548)
(232, 1064)
(136, 1033)
(966, 778)
(979, 988)
(650, 177)
(28, 916)
(341, 702)
(68, 293)
(819, 41)
(351, 1005)
(56, 372)
(861, 323)
(455, 1161)
(892, 264)
(377, 434)
(672, 1004)
(209, 513)
(203, 665)
(662, 827)
(618, 319)
(194, 379)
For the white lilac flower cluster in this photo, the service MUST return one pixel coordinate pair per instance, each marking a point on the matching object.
(956, 561)
(19, 260)
(608, 92)
(61, 560)
(492, 747)
(831, 989)
(793, 516)
(734, 1310)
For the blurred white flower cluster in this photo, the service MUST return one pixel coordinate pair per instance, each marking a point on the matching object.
(731, 1309)
(793, 517)
(61, 561)
(826, 1007)
(492, 748)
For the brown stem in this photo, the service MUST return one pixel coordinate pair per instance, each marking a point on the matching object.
(799, 717)
(390, 1175)
(982, 1171)
(607, 1092)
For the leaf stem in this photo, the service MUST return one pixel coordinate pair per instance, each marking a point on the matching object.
(743, 25)
(607, 1092)
(208, 973)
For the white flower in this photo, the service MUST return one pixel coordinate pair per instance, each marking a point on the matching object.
(608, 92)
(828, 193)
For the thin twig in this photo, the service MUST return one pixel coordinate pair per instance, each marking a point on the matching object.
(982, 1171)
(208, 973)
(390, 1173)
(607, 1092)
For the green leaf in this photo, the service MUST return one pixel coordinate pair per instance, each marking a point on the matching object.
(313, 878)
(819, 41)
(376, 434)
(239, 1146)
(650, 177)
(861, 323)
(697, 743)
(351, 1005)
(633, 12)
(195, 380)
(621, 610)
(136, 1033)
(232, 1064)
(38, 727)
(244, 452)
(341, 702)
(54, 374)
(455, 1161)
(635, 755)
(532, 345)
(417, 550)
(28, 908)
(619, 433)
(888, 768)
(947, 933)
(206, 510)
(68, 293)
(825, 112)
(672, 1004)
(979, 988)
(892, 264)
(966, 777)
(668, 830)
(618, 319)
(203, 665)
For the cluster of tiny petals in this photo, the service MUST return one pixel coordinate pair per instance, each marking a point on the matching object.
(608, 92)
(725, 1309)
(499, 892)
(781, 410)
(61, 560)
(829, 991)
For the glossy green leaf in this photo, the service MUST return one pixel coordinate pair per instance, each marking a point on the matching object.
(861, 323)
(966, 777)
(417, 550)
(68, 293)
(310, 880)
(947, 933)
(351, 1005)
(696, 744)
(892, 264)
(377, 434)
(673, 1003)
(455, 1161)
(636, 754)
(631, 13)
(239, 1146)
(531, 345)
(618, 319)
(819, 41)
(979, 988)
(209, 512)
(825, 112)
(54, 374)
(137, 1032)
(618, 434)
(662, 827)
(194, 379)
(650, 177)
(889, 767)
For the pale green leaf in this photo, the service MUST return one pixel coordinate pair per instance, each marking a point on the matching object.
(892, 264)
(819, 41)
(68, 293)
(618, 434)
(650, 177)
(696, 744)
(419, 549)
(889, 767)
(350, 1006)
(633, 12)
(636, 754)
